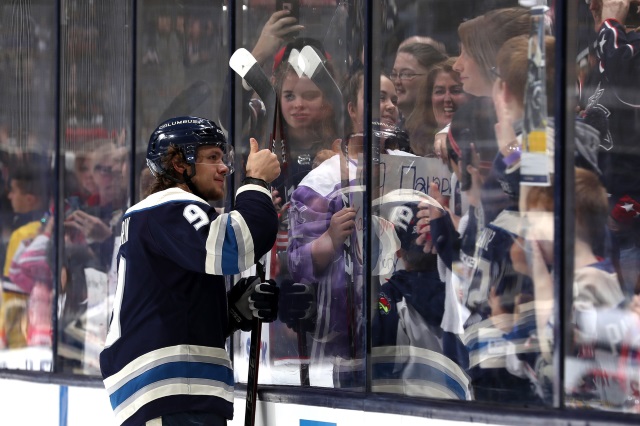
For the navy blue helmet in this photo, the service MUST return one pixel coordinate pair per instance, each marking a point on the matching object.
(187, 133)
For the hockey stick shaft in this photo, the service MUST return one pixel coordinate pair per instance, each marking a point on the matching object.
(315, 69)
(247, 67)
(187, 101)
(254, 363)
(303, 354)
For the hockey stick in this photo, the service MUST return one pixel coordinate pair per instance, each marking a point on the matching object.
(254, 363)
(187, 101)
(316, 70)
(247, 67)
(337, 39)
(301, 334)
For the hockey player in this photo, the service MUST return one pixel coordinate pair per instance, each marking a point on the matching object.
(164, 360)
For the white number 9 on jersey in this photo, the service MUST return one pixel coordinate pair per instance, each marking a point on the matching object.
(196, 216)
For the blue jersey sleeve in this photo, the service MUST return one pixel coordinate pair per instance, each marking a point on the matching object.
(192, 233)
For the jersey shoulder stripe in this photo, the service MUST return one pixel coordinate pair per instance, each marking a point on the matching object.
(162, 197)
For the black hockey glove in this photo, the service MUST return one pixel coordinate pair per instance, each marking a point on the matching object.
(298, 306)
(250, 299)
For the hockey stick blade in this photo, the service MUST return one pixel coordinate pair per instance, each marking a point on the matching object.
(294, 61)
(187, 101)
(247, 67)
(315, 69)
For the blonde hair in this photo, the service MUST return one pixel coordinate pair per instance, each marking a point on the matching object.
(483, 36)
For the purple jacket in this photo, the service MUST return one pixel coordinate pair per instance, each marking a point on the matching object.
(339, 294)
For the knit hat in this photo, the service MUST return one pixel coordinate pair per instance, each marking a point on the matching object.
(626, 210)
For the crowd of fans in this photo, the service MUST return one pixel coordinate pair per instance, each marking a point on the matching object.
(461, 276)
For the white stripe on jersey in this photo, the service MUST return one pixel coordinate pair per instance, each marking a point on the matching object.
(215, 240)
(417, 385)
(212, 388)
(206, 354)
(253, 188)
(168, 195)
(243, 244)
(244, 241)
(324, 178)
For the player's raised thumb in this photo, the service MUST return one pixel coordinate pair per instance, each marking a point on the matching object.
(254, 146)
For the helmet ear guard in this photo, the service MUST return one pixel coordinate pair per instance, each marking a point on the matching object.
(187, 133)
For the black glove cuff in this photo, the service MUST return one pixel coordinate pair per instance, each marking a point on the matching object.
(256, 181)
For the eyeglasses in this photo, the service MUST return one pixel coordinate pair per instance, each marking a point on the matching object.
(219, 164)
(403, 76)
(224, 160)
(495, 73)
(104, 170)
(222, 157)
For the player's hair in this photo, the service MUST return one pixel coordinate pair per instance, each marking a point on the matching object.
(162, 181)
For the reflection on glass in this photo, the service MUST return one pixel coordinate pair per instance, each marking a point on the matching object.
(27, 283)
(325, 249)
(94, 190)
(181, 51)
(602, 365)
(461, 293)
(309, 132)
(91, 231)
(27, 82)
(453, 317)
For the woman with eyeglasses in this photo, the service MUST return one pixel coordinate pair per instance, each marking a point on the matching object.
(439, 97)
(413, 63)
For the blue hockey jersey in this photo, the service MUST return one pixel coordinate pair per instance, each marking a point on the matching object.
(165, 349)
(409, 348)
